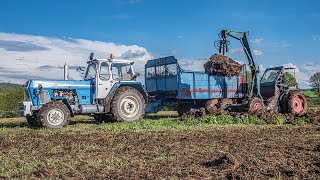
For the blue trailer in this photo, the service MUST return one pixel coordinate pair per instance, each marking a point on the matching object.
(168, 82)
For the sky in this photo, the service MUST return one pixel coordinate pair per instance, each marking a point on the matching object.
(38, 36)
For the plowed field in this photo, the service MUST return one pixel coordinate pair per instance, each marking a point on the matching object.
(157, 149)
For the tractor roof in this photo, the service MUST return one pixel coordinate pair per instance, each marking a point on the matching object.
(114, 60)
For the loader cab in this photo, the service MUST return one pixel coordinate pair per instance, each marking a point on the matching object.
(105, 73)
(274, 80)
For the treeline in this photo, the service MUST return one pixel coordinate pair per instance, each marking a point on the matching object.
(10, 96)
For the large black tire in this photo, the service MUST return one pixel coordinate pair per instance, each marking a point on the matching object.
(54, 115)
(127, 105)
(33, 121)
(297, 103)
(183, 108)
(256, 105)
(101, 118)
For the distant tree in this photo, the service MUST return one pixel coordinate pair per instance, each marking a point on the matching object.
(290, 79)
(315, 81)
(9, 101)
(2, 104)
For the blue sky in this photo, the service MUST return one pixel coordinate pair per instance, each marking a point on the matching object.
(281, 32)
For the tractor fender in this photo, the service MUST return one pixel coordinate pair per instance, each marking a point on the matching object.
(118, 85)
(66, 102)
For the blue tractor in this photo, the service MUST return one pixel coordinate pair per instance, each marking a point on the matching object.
(109, 91)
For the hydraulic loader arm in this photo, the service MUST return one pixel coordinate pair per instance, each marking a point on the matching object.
(254, 67)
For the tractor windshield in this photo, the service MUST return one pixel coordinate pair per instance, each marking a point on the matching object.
(122, 71)
(91, 72)
(270, 76)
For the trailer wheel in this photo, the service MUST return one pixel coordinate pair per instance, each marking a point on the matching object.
(183, 108)
(297, 103)
(54, 115)
(255, 105)
(127, 105)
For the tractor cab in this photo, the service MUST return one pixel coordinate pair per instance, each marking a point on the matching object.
(105, 73)
(279, 95)
(272, 82)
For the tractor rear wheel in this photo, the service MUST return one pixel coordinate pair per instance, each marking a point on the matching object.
(54, 115)
(127, 105)
(297, 103)
(255, 105)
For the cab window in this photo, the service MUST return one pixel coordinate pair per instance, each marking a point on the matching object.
(121, 71)
(104, 71)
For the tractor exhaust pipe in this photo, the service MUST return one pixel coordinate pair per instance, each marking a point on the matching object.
(66, 72)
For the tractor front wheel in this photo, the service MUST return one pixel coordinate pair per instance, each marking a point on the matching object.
(127, 105)
(33, 121)
(54, 115)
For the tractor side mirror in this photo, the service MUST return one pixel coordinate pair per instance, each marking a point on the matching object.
(81, 69)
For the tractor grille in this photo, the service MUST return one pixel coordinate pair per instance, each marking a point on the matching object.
(27, 95)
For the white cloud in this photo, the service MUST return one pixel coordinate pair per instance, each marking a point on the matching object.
(180, 37)
(26, 56)
(236, 51)
(313, 67)
(174, 52)
(258, 40)
(240, 51)
(193, 64)
(257, 52)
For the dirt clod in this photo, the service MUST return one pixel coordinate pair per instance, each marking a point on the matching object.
(219, 65)
(222, 163)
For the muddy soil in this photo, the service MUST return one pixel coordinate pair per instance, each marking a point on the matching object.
(253, 152)
(219, 65)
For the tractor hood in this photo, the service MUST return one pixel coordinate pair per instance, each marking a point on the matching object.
(32, 87)
(59, 84)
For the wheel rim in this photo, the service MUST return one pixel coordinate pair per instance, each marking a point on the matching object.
(129, 106)
(55, 116)
(298, 104)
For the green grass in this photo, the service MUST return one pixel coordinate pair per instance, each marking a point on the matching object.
(83, 124)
